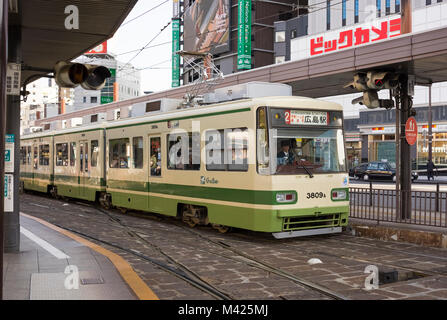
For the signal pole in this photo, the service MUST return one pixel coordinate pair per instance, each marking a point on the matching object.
(405, 159)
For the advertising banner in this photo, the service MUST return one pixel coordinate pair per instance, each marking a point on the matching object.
(175, 57)
(102, 48)
(207, 26)
(244, 35)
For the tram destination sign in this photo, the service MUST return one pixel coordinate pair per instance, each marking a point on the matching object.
(301, 117)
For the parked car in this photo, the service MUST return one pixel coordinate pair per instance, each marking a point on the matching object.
(358, 171)
(378, 170)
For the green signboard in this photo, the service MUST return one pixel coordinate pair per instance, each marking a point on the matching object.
(175, 57)
(244, 35)
(107, 91)
(106, 99)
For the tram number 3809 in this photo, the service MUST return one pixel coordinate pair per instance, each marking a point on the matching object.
(315, 195)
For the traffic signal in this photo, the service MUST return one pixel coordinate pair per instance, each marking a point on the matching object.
(90, 77)
(69, 75)
(381, 80)
(371, 100)
(370, 83)
(359, 82)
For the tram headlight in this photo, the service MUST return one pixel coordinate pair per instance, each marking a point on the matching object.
(286, 197)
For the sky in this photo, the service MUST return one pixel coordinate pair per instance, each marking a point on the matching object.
(136, 34)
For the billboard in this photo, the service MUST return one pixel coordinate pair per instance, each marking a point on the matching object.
(102, 48)
(207, 26)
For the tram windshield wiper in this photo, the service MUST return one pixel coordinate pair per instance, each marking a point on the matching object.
(305, 168)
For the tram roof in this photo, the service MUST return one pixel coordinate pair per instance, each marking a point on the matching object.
(279, 101)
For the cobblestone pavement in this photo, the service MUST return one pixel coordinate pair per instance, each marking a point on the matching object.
(234, 263)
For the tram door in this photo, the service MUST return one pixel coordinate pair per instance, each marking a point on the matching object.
(84, 169)
(155, 172)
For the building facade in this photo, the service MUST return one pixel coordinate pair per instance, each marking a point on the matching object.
(124, 84)
(45, 99)
(370, 134)
(224, 49)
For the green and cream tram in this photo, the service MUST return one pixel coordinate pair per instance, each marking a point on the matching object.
(272, 164)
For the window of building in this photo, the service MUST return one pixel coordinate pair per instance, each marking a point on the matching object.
(93, 99)
(293, 34)
(379, 8)
(119, 153)
(428, 2)
(62, 154)
(280, 59)
(343, 13)
(84, 99)
(72, 154)
(44, 155)
(94, 118)
(137, 144)
(387, 7)
(95, 153)
(397, 5)
(280, 36)
(328, 15)
(226, 150)
(183, 151)
(155, 157)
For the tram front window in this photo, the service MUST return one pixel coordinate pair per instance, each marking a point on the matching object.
(309, 151)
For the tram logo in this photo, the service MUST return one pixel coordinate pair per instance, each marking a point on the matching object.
(205, 180)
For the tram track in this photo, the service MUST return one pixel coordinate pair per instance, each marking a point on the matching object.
(141, 233)
(184, 272)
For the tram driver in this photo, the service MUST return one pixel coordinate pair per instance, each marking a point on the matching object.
(285, 156)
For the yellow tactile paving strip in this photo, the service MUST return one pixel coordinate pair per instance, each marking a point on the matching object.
(139, 287)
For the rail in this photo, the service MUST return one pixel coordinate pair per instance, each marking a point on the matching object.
(429, 208)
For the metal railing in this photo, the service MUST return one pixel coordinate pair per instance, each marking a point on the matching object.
(429, 208)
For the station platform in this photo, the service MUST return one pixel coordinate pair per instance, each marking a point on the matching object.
(54, 264)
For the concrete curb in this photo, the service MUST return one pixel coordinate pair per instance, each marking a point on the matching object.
(428, 238)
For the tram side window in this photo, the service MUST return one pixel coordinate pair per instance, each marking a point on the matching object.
(183, 151)
(36, 157)
(62, 154)
(28, 155)
(23, 155)
(95, 153)
(137, 144)
(227, 150)
(44, 155)
(72, 154)
(119, 153)
(155, 157)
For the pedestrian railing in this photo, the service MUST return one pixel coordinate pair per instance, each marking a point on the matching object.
(428, 208)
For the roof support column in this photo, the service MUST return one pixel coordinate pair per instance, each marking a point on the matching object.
(11, 219)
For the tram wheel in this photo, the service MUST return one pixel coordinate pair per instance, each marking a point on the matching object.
(105, 200)
(194, 215)
(221, 228)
